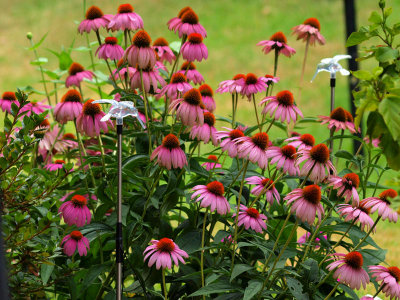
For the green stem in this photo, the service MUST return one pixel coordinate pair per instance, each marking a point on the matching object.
(102, 153)
(367, 235)
(303, 67)
(379, 290)
(276, 61)
(202, 250)
(333, 291)
(148, 121)
(82, 149)
(270, 125)
(93, 66)
(308, 175)
(255, 111)
(164, 284)
(237, 214)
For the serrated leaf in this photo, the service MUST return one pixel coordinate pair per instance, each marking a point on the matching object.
(252, 289)
(390, 110)
(218, 287)
(45, 272)
(239, 269)
(296, 288)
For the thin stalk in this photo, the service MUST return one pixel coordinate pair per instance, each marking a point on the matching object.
(177, 57)
(102, 153)
(233, 111)
(303, 67)
(308, 175)
(270, 125)
(333, 290)
(202, 250)
(237, 214)
(164, 284)
(145, 109)
(367, 235)
(82, 149)
(92, 61)
(255, 110)
(276, 61)
(55, 93)
(340, 145)
(379, 290)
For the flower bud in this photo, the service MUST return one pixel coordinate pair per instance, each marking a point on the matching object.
(29, 35)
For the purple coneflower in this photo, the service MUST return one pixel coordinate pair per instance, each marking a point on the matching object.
(304, 141)
(306, 203)
(265, 186)
(205, 131)
(88, 122)
(73, 241)
(390, 280)
(175, 22)
(194, 49)
(189, 109)
(125, 19)
(36, 107)
(207, 97)
(254, 148)
(110, 49)
(76, 212)
(6, 100)
(94, 20)
(277, 42)
(251, 85)
(169, 154)
(163, 50)
(161, 251)
(229, 140)
(282, 107)
(232, 86)
(70, 141)
(212, 195)
(251, 218)
(121, 72)
(192, 74)
(306, 238)
(140, 52)
(339, 119)
(211, 165)
(347, 187)
(349, 269)
(317, 164)
(69, 108)
(269, 78)
(382, 205)
(151, 79)
(285, 159)
(58, 164)
(177, 87)
(309, 30)
(359, 214)
(76, 75)
(190, 24)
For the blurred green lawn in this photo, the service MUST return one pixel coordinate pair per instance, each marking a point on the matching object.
(234, 27)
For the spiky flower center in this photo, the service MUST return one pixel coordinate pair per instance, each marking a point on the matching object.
(125, 8)
(79, 200)
(75, 68)
(349, 116)
(161, 42)
(363, 208)
(183, 10)
(252, 212)
(192, 97)
(59, 161)
(45, 123)
(395, 272)
(195, 38)
(10, 96)
(178, 78)
(69, 136)
(268, 76)
(312, 193)
(351, 180)
(120, 63)
(307, 139)
(239, 76)
(235, 133)
(206, 90)
(76, 235)
(141, 39)
(251, 79)
(216, 188)
(260, 140)
(390, 193)
(166, 245)
(338, 114)
(190, 17)
(285, 98)
(93, 12)
(209, 118)
(212, 157)
(289, 151)
(354, 259)
(110, 40)
(267, 181)
(91, 109)
(320, 153)
(313, 22)
(170, 142)
(278, 37)
(185, 65)
(72, 96)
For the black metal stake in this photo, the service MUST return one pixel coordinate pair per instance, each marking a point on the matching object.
(118, 241)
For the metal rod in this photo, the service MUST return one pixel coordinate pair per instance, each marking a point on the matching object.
(118, 242)
(333, 85)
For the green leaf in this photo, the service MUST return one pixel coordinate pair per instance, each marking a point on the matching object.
(386, 54)
(218, 287)
(296, 288)
(344, 154)
(252, 289)
(356, 38)
(239, 269)
(45, 271)
(375, 18)
(363, 75)
(39, 61)
(92, 274)
(38, 43)
(390, 110)
(175, 46)
(64, 60)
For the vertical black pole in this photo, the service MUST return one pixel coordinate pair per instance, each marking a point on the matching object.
(118, 242)
(350, 13)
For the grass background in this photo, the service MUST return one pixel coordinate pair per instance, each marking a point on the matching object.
(234, 27)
